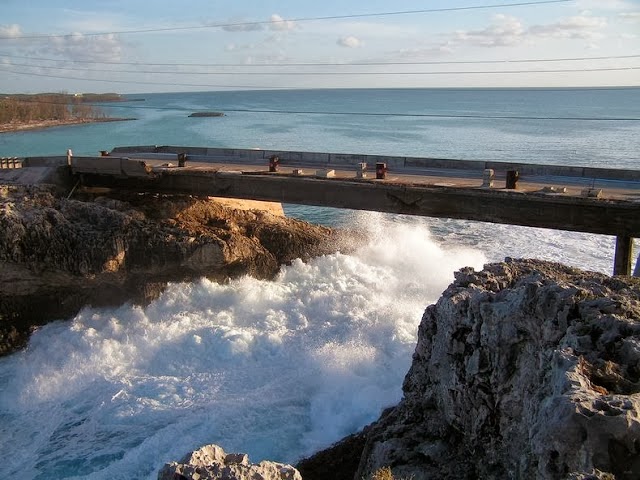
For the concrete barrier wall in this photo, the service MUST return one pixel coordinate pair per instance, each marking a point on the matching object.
(420, 162)
(10, 162)
(346, 158)
(300, 157)
(97, 165)
(537, 169)
(50, 161)
(167, 157)
(135, 149)
(116, 166)
(611, 174)
(134, 168)
(393, 162)
(235, 152)
(187, 150)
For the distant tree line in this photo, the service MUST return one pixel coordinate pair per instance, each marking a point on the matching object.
(52, 106)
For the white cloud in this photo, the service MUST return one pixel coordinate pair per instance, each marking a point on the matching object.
(92, 21)
(276, 23)
(422, 53)
(630, 16)
(235, 47)
(10, 31)
(581, 26)
(507, 30)
(605, 4)
(377, 30)
(241, 26)
(349, 42)
(279, 24)
(504, 31)
(99, 48)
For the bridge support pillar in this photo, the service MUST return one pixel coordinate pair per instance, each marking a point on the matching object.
(624, 251)
(636, 272)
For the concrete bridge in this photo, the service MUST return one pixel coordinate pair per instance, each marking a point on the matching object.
(584, 199)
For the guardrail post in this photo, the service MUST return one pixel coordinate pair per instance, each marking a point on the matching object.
(487, 178)
(10, 162)
(274, 161)
(361, 171)
(624, 251)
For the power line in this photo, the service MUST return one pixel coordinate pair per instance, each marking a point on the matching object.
(437, 72)
(365, 114)
(298, 20)
(136, 82)
(332, 64)
(178, 84)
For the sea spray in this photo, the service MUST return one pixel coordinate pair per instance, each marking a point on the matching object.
(281, 368)
(278, 369)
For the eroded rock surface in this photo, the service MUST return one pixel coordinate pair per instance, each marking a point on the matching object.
(58, 254)
(527, 369)
(212, 463)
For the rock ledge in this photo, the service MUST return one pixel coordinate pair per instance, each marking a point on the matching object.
(526, 369)
(58, 254)
(212, 463)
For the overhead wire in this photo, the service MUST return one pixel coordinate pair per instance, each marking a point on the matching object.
(301, 64)
(403, 73)
(296, 20)
(365, 114)
(138, 82)
(327, 64)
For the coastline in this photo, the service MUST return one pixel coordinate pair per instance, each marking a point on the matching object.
(42, 124)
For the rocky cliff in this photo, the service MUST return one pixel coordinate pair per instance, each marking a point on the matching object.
(58, 254)
(526, 369)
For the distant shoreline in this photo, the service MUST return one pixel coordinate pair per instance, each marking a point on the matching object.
(42, 124)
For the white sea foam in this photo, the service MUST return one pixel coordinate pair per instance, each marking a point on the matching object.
(276, 368)
(281, 368)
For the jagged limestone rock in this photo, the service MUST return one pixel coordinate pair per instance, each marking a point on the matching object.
(59, 254)
(526, 369)
(212, 463)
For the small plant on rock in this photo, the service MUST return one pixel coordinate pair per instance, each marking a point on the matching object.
(383, 473)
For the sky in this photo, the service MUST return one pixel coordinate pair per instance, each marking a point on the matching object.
(135, 46)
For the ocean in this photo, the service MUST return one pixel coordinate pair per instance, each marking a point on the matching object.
(280, 369)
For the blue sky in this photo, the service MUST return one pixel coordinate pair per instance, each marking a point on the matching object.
(96, 55)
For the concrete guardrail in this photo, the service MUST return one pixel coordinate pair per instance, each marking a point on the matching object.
(10, 162)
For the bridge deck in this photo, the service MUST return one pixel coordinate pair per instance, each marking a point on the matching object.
(611, 189)
(546, 196)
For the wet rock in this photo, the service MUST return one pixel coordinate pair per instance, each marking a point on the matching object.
(212, 463)
(339, 462)
(527, 369)
(58, 255)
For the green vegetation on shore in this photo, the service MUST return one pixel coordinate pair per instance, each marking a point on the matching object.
(62, 107)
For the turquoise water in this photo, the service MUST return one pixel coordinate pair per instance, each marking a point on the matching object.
(162, 120)
(280, 369)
